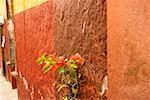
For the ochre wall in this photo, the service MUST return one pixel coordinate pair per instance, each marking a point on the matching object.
(129, 49)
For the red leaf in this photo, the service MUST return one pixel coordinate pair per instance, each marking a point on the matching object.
(61, 61)
(78, 58)
(54, 68)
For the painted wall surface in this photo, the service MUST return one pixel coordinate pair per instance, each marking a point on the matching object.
(33, 37)
(64, 27)
(22, 5)
(129, 49)
(70, 26)
(80, 26)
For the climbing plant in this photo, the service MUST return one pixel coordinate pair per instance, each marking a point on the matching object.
(66, 72)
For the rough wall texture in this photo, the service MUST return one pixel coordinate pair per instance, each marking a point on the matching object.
(129, 49)
(34, 36)
(7, 51)
(80, 26)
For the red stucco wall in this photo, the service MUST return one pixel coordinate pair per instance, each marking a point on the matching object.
(8, 70)
(129, 49)
(80, 26)
(75, 26)
(33, 36)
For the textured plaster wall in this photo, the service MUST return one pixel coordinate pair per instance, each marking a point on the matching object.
(129, 49)
(7, 51)
(80, 26)
(34, 36)
(64, 27)
(69, 26)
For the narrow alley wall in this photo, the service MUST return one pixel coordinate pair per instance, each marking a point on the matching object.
(64, 27)
(129, 49)
(69, 26)
(33, 34)
(80, 26)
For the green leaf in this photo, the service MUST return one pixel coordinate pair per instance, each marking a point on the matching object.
(63, 78)
(46, 68)
(72, 72)
(73, 65)
(72, 61)
(48, 60)
(53, 62)
(41, 59)
(60, 70)
(74, 91)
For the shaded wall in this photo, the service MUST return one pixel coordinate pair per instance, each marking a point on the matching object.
(129, 49)
(80, 26)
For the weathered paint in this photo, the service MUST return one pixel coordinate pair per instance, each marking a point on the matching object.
(34, 36)
(129, 49)
(128, 46)
(80, 26)
(77, 33)
(19, 6)
(23, 5)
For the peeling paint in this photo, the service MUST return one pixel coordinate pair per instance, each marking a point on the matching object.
(25, 83)
(3, 41)
(20, 75)
(14, 74)
(32, 93)
(104, 85)
(42, 98)
(10, 26)
(83, 28)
